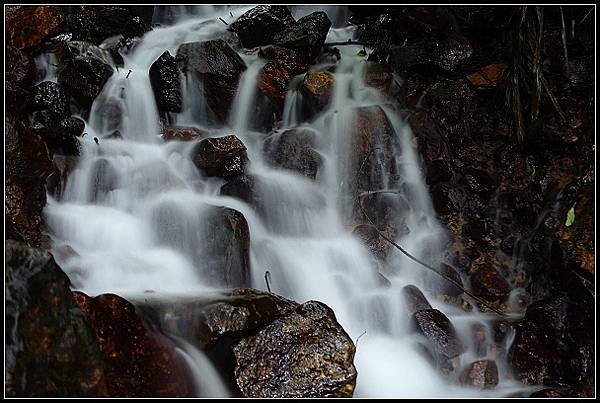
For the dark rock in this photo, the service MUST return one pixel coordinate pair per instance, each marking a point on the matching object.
(316, 90)
(166, 83)
(73, 126)
(445, 287)
(414, 299)
(27, 166)
(369, 236)
(218, 67)
(447, 199)
(27, 26)
(379, 76)
(480, 342)
(479, 181)
(303, 354)
(50, 349)
(555, 393)
(57, 180)
(480, 374)
(183, 133)
(283, 65)
(50, 96)
(438, 171)
(439, 331)
(488, 284)
(223, 156)
(14, 96)
(97, 23)
(138, 363)
(294, 150)
(104, 179)
(84, 77)
(18, 66)
(242, 187)
(259, 25)
(227, 249)
(307, 35)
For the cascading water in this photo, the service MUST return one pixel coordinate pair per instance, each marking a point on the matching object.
(134, 208)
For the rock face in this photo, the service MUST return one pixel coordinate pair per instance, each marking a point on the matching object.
(316, 91)
(489, 284)
(51, 351)
(480, 374)
(259, 25)
(166, 83)
(218, 67)
(440, 333)
(303, 354)
(294, 150)
(84, 77)
(223, 156)
(27, 26)
(306, 36)
(138, 363)
(27, 166)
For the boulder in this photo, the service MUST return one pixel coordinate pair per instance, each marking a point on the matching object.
(369, 236)
(258, 26)
(97, 23)
(57, 180)
(49, 96)
(218, 67)
(305, 353)
(242, 187)
(379, 76)
(137, 362)
(50, 349)
(84, 77)
(414, 299)
(274, 79)
(439, 332)
(166, 83)
(294, 150)
(28, 26)
(481, 374)
(221, 156)
(487, 283)
(306, 36)
(316, 90)
(183, 133)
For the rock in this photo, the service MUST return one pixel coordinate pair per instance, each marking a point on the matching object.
(439, 331)
(283, 65)
(218, 67)
(480, 342)
(138, 363)
(97, 23)
(14, 96)
(183, 133)
(50, 349)
(166, 83)
(27, 26)
(369, 236)
(554, 342)
(18, 66)
(316, 90)
(258, 26)
(480, 374)
(488, 284)
(57, 180)
(294, 150)
(555, 393)
(488, 76)
(27, 166)
(222, 156)
(414, 299)
(445, 287)
(438, 171)
(242, 187)
(306, 36)
(84, 77)
(379, 76)
(50, 96)
(447, 199)
(303, 354)
(479, 181)
(226, 262)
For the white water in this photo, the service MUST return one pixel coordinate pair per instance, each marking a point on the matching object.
(133, 211)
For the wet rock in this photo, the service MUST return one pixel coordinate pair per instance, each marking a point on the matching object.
(414, 299)
(488, 76)
(84, 77)
(259, 25)
(218, 67)
(57, 180)
(104, 179)
(283, 65)
(438, 171)
(73, 126)
(480, 342)
(166, 83)
(369, 236)
(223, 156)
(554, 342)
(14, 96)
(379, 76)
(138, 363)
(27, 26)
(50, 96)
(447, 199)
(183, 133)
(18, 66)
(488, 284)
(439, 331)
(316, 90)
(50, 349)
(97, 23)
(555, 393)
(480, 374)
(242, 187)
(294, 150)
(306, 36)
(27, 166)
(226, 249)
(445, 287)
(303, 354)
(479, 181)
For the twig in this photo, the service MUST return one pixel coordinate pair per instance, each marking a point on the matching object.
(553, 99)
(564, 40)
(585, 16)
(128, 74)
(348, 42)
(267, 276)
(231, 14)
(358, 338)
(223, 21)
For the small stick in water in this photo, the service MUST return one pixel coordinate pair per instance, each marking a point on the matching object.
(96, 140)
(231, 14)
(358, 338)
(223, 21)
(267, 277)
(128, 74)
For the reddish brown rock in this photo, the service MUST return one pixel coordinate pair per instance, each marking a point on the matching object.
(480, 374)
(221, 156)
(27, 26)
(378, 76)
(282, 66)
(138, 363)
(316, 89)
(183, 133)
(487, 283)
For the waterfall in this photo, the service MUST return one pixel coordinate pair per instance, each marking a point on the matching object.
(126, 195)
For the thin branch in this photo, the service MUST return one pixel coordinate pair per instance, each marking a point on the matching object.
(348, 42)
(358, 338)
(553, 99)
(267, 277)
(564, 40)
(223, 21)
